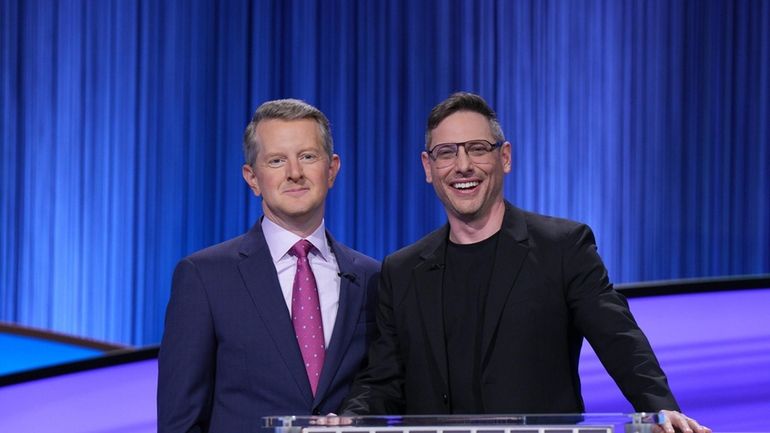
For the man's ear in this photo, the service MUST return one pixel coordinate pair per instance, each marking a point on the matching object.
(506, 153)
(426, 166)
(251, 179)
(334, 169)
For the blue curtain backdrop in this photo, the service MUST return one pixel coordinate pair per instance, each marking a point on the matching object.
(121, 124)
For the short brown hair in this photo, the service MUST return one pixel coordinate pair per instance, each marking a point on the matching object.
(462, 101)
(285, 109)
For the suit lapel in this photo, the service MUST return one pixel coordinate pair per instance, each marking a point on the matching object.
(511, 251)
(261, 280)
(349, 309)
(428, 281)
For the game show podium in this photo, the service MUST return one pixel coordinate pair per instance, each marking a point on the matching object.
(561, 423)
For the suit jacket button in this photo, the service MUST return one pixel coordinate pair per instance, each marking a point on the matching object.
(316, 412)
(445, 398)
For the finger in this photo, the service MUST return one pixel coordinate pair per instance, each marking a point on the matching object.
(697, 427)
(332, 420)
(681, 422)
(667, 426)
(344, 420)
(324, 420)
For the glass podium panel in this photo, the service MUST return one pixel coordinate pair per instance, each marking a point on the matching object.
(526, 423)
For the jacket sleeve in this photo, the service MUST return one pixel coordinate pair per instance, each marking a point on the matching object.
(603, 316)
(378, 388)
(186, 361)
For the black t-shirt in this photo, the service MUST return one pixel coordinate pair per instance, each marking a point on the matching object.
(466, 283)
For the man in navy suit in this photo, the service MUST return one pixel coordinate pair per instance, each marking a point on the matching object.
(230, 354)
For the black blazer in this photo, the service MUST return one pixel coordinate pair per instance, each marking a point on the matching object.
(229, 355)
(549, 289)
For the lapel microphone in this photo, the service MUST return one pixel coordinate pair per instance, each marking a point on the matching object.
(348, 276)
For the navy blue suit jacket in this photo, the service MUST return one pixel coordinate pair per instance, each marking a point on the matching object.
(229, 355)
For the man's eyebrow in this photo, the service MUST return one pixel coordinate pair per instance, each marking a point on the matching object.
(274, 154)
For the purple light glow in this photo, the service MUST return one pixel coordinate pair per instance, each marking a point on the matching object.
(715, 349)
(118, 399)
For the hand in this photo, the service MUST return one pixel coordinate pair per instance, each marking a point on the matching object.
(331, 419)
(680, 422)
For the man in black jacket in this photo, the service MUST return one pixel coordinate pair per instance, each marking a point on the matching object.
(488, 313)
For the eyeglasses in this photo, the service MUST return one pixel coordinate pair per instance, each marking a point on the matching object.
(445, 154)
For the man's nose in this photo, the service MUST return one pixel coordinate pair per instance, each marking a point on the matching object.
(463, 162)
(293, 169)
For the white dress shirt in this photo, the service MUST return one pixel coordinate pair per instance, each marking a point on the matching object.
(322, 262)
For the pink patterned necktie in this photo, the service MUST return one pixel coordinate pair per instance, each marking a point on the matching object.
(306, 314)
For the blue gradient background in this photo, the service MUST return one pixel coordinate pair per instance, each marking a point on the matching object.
(26, 353)
(120, 127)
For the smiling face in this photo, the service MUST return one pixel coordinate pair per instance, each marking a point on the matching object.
(292, 173)
(468, 189)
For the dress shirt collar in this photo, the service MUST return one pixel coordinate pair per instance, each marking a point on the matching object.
(279, 240)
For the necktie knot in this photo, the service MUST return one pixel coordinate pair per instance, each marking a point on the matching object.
(301, 248)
